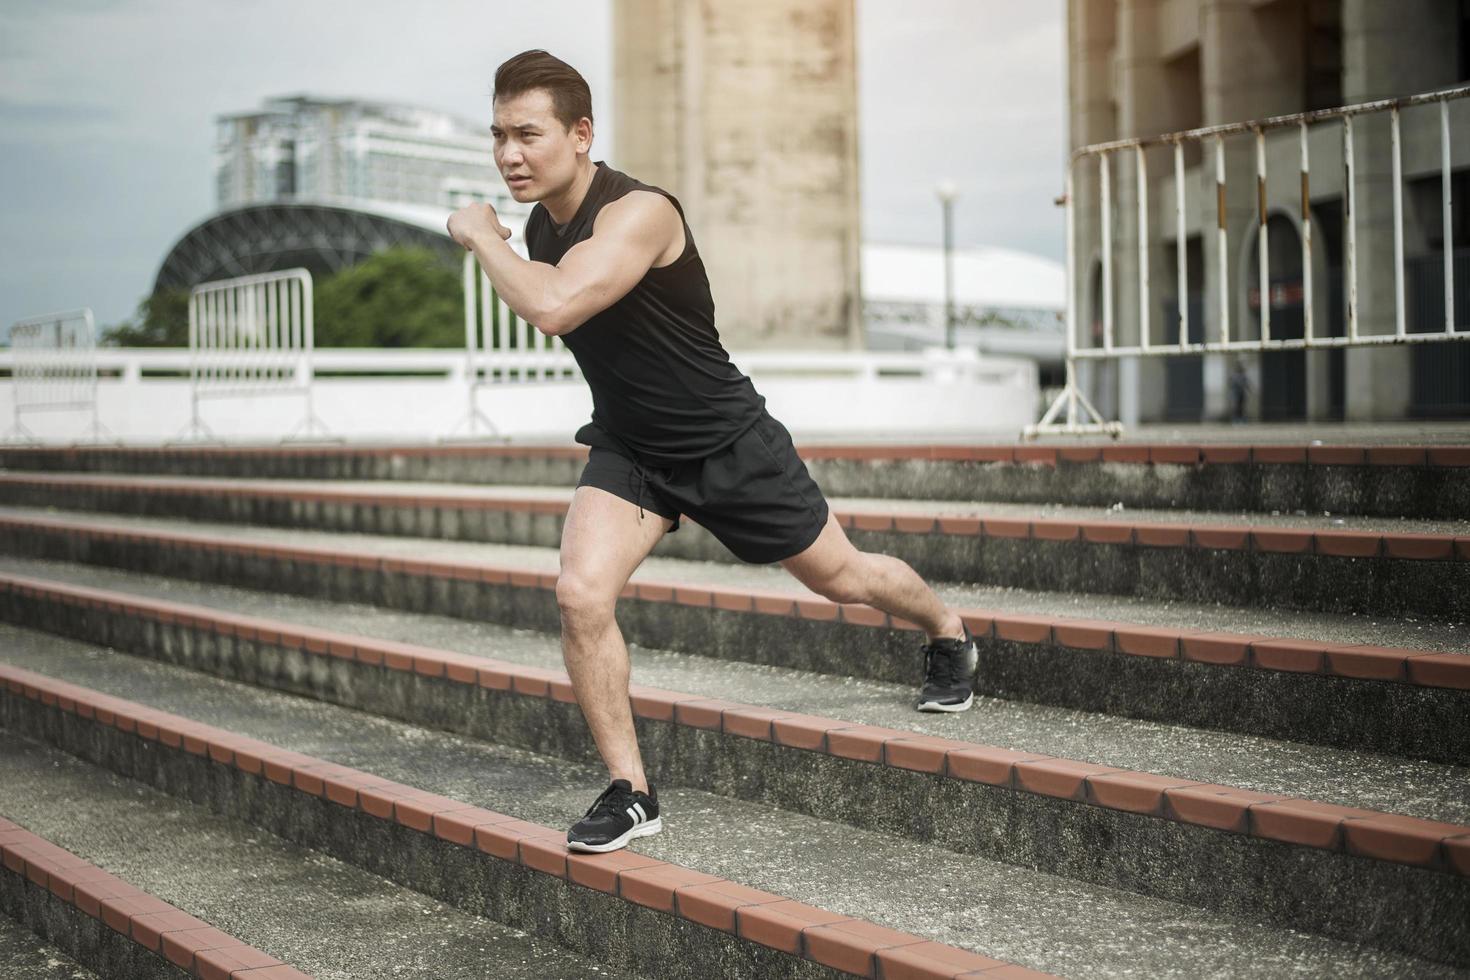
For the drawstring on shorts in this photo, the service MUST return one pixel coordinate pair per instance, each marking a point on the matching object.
(642, 481)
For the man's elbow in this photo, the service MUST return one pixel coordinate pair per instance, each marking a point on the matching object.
(555, 321)
(554, 324)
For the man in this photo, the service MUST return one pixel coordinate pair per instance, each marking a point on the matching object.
(676, 428)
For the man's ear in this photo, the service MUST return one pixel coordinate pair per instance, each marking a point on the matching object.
(582, 133)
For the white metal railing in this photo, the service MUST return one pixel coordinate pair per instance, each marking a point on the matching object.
(54, 368)
(501, 348)
(1073, 402)
(416, 394)
(252, 336)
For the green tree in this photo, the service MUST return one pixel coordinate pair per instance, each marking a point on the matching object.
(399, 297)
(162, 320)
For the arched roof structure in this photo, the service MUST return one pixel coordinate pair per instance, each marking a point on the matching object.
(322, 236)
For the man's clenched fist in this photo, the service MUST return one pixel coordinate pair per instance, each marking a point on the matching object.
(475, 221)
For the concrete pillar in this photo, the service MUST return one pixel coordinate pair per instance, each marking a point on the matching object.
(1389, 50)
(1091, 39)
(1252, 67)
(774, 207)
(1144, 109)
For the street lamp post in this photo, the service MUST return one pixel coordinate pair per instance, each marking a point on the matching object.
(947, 192)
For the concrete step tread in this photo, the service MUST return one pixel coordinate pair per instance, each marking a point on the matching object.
(26, 956)
(189, 942)
(694, 895)
(329, 918)
(1001, 911)
(866, 511)
(1279, 769)
(1346, 629)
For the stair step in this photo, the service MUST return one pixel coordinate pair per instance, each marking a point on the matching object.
(102, 918)
(1009, 805)
(1049, 923)
(1353, 565)
(135, 493)
(1406, 700)
(1425, 480)
(26, 956)
(180, 622)
(367, 812)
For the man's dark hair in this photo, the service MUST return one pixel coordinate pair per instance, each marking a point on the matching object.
(571, 99)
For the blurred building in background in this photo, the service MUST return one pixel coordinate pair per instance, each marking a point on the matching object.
(304, 148)
(1006, 302)
(1140, 68)
(324, 183)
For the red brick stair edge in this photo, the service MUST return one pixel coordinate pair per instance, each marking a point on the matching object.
(1281, 817)
(1360, 662)
(1399, 546)
(842, 942)
(189, 943)
(1137, 453)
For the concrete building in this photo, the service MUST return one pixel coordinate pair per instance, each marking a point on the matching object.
(1141, 68)
(303, 148)
(747, 112)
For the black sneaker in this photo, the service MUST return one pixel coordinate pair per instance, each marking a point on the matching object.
(620, 814)
(949, 674)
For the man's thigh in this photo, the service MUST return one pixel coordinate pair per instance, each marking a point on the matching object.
(604, 540)
(826, 560)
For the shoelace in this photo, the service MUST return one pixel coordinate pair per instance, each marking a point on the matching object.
(938, 667)
(613, 800)
(942, 662)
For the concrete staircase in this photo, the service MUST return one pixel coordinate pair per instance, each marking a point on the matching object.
(1223, 725)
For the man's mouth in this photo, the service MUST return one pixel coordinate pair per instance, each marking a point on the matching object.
(518, 179)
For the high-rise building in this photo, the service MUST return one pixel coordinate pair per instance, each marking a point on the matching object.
(299, 148)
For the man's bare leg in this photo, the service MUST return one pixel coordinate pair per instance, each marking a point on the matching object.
(833, 568)
(603, 541)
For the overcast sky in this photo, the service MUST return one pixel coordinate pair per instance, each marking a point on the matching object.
(106, 110)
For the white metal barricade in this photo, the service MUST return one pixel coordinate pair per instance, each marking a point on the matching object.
(501, 348)
(1211, 142)
(250, 337)
(54, 369)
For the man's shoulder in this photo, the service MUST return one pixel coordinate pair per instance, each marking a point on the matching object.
(620, 185)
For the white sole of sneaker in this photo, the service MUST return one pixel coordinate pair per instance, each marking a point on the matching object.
(936, 706)
(642, 830)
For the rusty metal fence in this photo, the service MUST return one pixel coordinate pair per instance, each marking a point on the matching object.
(1073, 413)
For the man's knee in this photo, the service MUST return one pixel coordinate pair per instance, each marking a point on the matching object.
(847, 584)
(584, 602)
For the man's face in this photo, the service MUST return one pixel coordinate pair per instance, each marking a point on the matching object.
(536, 154)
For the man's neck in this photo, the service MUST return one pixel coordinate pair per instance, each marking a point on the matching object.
(563, 207)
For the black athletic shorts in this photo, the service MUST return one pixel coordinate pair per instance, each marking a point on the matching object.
(755, 495)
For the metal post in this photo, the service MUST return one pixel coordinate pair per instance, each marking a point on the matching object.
(1263, 241)
(1449, 218)
(1400, 320)
(1180, 238)
(1071, 215)
(1143, 229)
(1350, 219)
(1306, 238)
(1105, 176)
(947, 193)
(1222, 237)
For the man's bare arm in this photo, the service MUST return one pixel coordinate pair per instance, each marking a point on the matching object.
(628, 238)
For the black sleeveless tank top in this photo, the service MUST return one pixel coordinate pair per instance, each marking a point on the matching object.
(662, 383)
